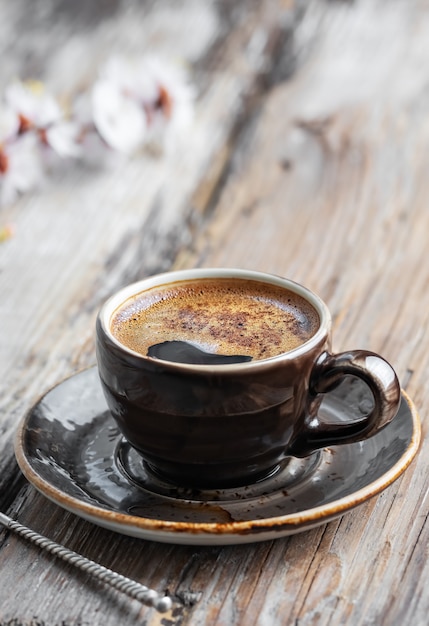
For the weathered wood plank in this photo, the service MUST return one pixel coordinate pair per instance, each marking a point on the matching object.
(322, 178)
(106, 230)
(340, 204)
(87, 234)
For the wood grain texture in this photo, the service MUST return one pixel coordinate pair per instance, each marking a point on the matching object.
(309, 157)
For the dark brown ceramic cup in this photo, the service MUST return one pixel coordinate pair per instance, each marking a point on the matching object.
(233, 424)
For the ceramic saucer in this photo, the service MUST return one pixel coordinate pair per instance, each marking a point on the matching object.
(70, 449)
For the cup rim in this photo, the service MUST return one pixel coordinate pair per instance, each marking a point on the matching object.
(111, 305)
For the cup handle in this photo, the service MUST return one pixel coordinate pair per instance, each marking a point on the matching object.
(328, 371)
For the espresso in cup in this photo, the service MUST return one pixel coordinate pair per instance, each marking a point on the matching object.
(214, 321)
(215, 376)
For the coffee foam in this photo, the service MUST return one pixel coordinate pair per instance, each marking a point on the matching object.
(220, 315)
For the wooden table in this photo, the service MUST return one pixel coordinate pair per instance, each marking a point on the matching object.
(308, 157)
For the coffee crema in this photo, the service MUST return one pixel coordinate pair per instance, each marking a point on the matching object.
(216, 316)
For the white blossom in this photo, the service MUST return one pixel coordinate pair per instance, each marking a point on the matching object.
(33, 104)
(22, 169)
(131, 77)
(9, 124)
(118, 119)
(64, 139)
(133, 103)
(159, 88)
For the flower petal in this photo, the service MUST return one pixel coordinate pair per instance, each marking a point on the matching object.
(119, 120)
(31, 101)
(63, 138)
(24, 170)
(9, 123)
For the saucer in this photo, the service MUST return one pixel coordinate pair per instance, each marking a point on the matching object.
(70, 449)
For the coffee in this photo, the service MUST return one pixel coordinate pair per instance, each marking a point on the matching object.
(237, 320)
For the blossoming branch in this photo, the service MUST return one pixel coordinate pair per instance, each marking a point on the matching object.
(131, 104)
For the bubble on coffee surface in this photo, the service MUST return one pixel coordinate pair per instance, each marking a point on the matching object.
(228, 317)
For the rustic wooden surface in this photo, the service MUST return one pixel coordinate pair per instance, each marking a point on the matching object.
(308, 157)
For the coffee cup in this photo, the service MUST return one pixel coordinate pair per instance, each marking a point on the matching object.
(215, 376)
